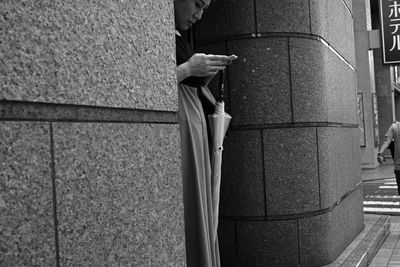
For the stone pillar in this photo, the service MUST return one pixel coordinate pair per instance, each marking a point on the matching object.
(90, 160)
(291, 192)
(385, 96)
(365, 80)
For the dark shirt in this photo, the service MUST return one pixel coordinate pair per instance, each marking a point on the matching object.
(184, 51)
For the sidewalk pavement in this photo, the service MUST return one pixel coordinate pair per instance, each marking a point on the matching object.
(363, 248)
(382, 172)
(388, 252)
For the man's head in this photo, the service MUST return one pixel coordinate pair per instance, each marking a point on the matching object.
(187, 12)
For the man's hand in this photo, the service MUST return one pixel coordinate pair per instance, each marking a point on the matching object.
(380, 158)
(202, 65)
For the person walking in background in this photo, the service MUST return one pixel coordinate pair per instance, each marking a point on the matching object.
(392, 134)
(194, 72)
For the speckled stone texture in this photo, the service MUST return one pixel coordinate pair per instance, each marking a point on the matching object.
(227, 242)
(323, 86)
(342, 94)
(259, 82)
(258, 243)
(119, 195)
(332, 20)
(311, 241)
(26, 197)
(227, 18)
(242, 183)
(317, 237)
(291, 173)
(349, 51)
(335, 161)
(283, 16)
(356, 178)
(112, 53)
(309, 80)
(356, 214)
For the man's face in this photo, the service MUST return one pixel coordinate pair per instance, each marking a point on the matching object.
(187, 12)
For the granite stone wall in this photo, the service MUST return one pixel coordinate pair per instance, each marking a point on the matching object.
(90, 160)
(291, 182)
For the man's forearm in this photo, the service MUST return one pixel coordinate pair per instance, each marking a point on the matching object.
(384, 146)
(182, 71)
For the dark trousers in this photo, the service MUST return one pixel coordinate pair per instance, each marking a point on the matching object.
(397, 173)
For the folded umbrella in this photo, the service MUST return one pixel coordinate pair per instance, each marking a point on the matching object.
(219, 122)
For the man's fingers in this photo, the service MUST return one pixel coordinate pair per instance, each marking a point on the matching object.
(218, 63)
(216, 68)
(217, 57)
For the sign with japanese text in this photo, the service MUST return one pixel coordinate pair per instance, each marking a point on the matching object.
(390, 30)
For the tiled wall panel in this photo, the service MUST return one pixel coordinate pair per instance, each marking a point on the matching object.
(114, 54)
(118, 195)
(291, 171)
(259, 82)
(26, 195)
(242, 184)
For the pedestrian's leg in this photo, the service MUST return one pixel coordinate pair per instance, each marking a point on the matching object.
(397, 173)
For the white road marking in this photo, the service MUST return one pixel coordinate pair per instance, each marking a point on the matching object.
(382, 209)
(381, 197)
(381, 203)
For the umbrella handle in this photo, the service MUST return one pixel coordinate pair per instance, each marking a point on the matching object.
(221, 84)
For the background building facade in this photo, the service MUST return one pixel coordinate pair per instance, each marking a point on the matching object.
(378, 83)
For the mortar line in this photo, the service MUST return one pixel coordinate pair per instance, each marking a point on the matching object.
(53, 178)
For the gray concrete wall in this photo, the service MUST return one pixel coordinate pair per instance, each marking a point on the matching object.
(90, 158)
(291, 192)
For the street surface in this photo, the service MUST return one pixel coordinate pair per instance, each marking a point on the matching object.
(381, 197)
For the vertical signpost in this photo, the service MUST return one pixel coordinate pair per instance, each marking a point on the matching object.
(390, 30)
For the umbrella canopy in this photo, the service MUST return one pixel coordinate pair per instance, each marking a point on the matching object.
(219, 122)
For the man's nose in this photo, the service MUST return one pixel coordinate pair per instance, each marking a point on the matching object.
(198, 14)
